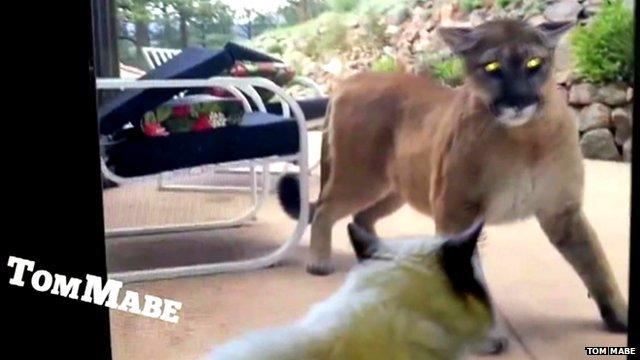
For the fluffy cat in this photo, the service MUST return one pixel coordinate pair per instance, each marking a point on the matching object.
(417, 298)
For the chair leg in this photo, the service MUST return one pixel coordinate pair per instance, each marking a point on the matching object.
(248, 216)
(252, 264)
(164, 186)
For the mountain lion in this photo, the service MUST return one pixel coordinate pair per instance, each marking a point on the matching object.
(503, 146)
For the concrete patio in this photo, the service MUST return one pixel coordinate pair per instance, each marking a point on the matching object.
(542, 299)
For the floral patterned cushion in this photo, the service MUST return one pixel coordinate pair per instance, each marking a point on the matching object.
(172, 118)
(199, 116)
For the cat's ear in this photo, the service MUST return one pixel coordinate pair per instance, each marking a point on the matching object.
(364, 244)
(457, 260)
(552, 31)
(463, 245)
(459, 39)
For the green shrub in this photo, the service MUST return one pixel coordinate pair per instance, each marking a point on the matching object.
(603, 50)
(343, 5)
(384, 64)
(375, 27)
(449, 70)
(531, 7)
(470, 5)
(504, 3)
(332, 39)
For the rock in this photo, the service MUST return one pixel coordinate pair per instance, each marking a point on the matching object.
(562, 60)
(564, 10)
(599, 144)
(582, 94)
(421, 14)
(334, 66)
(614, 95)
(352, 23)
(477, 17)
(621, 120)
(626, 151)
(566, 78)
(629, 94)
(392, 30)
(445, 14)
(397, 15)
(537, 20)
(594, 116)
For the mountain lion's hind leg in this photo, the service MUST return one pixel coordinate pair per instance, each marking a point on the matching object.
(368, 217)
(340, 197)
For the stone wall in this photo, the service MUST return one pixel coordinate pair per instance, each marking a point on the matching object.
(605, 119)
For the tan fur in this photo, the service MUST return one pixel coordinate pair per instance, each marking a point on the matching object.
(398, 138)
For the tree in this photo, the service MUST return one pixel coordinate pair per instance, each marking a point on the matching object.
(304, 9)
(202, 16)
(137, 12)
(212, 23)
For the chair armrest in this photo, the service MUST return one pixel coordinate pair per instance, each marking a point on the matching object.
(308, 82)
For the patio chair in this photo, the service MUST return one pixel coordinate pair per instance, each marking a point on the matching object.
(261, 138)
(155, 57)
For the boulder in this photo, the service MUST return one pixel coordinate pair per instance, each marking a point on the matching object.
(621, 121)
(594, 116)
(477, 17)
(598, 144)
(582, 94)
(564, 10)
(612, 94)
(537, 20)
(397, 15)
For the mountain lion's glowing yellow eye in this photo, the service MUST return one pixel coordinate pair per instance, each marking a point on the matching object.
(492, 66)
(533, 63)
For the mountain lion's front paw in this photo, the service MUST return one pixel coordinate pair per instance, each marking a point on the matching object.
(615, 319)
(320, 267)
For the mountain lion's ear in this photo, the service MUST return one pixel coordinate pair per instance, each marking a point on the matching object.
(364, 244)
(553, 31)
(457, 254)
(459, 39)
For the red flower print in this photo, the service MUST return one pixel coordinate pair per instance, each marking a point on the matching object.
(203, 123)
(181, 111)
(154, 129)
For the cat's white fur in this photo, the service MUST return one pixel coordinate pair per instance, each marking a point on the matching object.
(318, 335)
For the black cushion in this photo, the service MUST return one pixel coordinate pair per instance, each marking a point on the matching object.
(259, 135)
(312, 108)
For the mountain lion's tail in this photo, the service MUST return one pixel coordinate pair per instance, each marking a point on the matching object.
(289, 196)
(289, 185)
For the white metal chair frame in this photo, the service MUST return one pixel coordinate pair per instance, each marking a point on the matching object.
(155, 56)
(290, 108)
